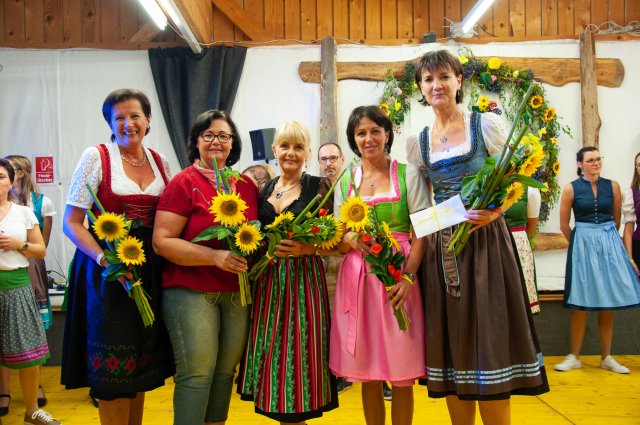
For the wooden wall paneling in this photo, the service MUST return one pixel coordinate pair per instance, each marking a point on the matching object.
(325, 19)
(389, 19)
(238, 35)
(14, 21)
(533, 15)
(452, 12)
(292, 16)
(53, 21)
(255, 8)
(128, 19)
(373, 28)
(357, 25)
(565, 17)
(436, 18)
(616, 11)
(274, 17)
(33, 21)
(517, 17)
(91, 21)
(405, 20)
(223, 28)
(599, 12)
(582, 15)
(110, 20)
(341, 19)
(421, 14)
(72, 21)
(550, 17)
(308, 20)
(2, 26)
(632, 12)
(501, 23)
(485, 24)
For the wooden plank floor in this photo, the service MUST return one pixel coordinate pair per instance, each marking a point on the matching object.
(587, 396)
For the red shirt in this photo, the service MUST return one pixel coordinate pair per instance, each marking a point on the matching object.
(189, 194)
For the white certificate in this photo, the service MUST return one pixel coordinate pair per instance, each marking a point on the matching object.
(438, 217)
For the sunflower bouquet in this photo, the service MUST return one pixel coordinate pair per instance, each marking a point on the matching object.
(500, 182)
(240, 236)
(124, 255)
(387, 263)
(316, 227)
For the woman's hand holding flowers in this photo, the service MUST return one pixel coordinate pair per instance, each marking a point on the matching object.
(398, 293)
(291, 248)
(482, 217)
(230, 262)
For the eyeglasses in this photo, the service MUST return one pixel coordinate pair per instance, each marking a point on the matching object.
(328, 159)
(594, 160)
(210, 137)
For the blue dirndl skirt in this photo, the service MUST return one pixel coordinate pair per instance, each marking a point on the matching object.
(599, 274)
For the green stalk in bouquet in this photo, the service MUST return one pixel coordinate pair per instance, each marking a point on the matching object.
(488, 186)
(124, 256)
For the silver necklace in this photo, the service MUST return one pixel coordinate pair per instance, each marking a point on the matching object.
(443, 137)
(135, 164)
(279, 193)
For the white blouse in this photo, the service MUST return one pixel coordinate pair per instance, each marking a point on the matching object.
(534, 201)
(628, 209)
(16, 223)
(48, 210)
(89, 170)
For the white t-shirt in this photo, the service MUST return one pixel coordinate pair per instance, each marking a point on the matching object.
(18, 220)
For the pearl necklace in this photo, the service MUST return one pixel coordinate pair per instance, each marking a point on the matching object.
(132, 163)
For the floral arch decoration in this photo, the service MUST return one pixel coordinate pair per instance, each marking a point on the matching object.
(487, 82)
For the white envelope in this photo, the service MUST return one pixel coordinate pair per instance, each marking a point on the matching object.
(438, 217)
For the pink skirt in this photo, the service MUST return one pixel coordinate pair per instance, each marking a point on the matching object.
(366, 343)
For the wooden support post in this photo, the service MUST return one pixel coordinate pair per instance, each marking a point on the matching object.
(588, 90)
(328, 91)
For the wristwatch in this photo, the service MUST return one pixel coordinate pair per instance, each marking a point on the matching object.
(24, 247)
(411, 276)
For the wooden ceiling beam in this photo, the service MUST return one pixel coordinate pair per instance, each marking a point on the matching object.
(240, 18)
(146, 34)
(198, 16)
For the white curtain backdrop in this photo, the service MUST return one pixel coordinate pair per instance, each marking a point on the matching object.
(51, 100)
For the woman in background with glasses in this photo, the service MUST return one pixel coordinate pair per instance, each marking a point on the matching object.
(599, 274)
(631, 216)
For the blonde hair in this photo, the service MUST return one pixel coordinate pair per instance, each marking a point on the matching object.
(294, 131)
(27, 185)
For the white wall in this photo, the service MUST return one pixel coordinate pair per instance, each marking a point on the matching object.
(51, 103)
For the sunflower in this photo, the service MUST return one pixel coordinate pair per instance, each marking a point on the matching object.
(248, 238)
(542, 131)
(483, 103)
(389, 235)
(536, 102)
(354, 213)
(110, 226)
(228, 209)
(549, 114)
(286, 217)
(556, 168)
(130, 251)
(385, 108)
(335, 238)
(514, 193)
(494, 63)
(531, 164)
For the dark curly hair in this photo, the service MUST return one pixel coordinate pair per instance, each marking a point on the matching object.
(202, 122)
(121, 95)
(376, 115)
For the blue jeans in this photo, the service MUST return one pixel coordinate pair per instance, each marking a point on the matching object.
(208, 331)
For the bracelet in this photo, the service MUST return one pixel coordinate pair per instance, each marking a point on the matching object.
(99, 258)
(407, 278)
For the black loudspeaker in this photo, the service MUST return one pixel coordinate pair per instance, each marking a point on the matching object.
(261, 141)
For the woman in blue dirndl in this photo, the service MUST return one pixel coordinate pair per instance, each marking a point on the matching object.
(599, 275)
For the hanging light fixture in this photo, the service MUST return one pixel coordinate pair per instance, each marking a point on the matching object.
(475, 14)
(155, 12)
